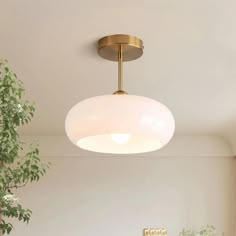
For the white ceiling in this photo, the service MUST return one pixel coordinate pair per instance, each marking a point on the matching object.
(188, 62)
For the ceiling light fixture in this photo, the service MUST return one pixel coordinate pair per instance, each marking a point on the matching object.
(120, 123)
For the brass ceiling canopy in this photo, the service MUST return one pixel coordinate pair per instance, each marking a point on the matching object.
(109, 46)
(120, 48)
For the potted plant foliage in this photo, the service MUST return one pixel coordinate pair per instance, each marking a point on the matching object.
(208, 230)
(16, 169)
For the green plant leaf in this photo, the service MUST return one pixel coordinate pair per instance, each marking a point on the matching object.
(16, 169)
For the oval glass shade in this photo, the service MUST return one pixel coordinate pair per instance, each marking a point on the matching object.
(120, 124)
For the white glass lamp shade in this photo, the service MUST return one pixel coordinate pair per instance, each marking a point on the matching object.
(120, 124)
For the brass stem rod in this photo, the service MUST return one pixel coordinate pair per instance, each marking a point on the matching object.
(120, 68)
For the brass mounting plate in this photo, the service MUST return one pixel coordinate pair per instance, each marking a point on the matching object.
(155, 232)
(132, 47)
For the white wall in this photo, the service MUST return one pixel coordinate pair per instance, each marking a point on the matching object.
(123, 195)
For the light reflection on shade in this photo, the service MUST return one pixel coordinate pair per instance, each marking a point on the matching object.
(120, 138)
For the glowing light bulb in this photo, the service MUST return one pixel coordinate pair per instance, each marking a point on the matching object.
(120, 138)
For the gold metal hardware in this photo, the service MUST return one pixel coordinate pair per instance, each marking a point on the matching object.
(120, 68)
(108, 47)
(120, 47)
(120, 92)
(155, 232)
